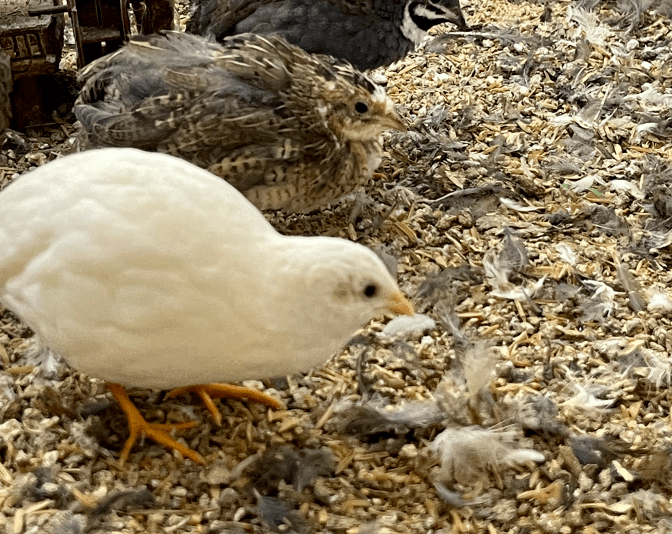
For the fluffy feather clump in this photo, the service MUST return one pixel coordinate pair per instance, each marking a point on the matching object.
(472, 455)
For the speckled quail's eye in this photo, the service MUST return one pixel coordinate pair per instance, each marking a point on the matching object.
(370, 290)
(361, 107)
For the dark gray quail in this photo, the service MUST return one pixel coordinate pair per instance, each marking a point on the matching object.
(367, 33)
(288, 129)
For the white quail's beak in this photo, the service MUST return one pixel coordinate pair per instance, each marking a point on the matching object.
(400, 304)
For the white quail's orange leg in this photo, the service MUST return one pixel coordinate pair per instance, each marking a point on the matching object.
(156, 431)
(207, 392)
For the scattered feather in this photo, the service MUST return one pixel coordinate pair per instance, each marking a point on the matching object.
(375, 418)
(298, 467)
(455, 499)
(279, 516)
(479, 200)
(513, 253)
(478, 363)
(600, 451)
(7, 392)
(537, 413)
(445, 311)
(659, 301)
(588, 22)
(566, 253)
(496, 271)
(521, 293)
(626, 185)
(585, 400)
(469, 455)
(584, 184)
(66, 523)
(650, 503)
(651, 97)
(659, 369)
(516, 206)
(600, 304)
(631, 286)
(118, 500)
(409, 325)
(445, 282)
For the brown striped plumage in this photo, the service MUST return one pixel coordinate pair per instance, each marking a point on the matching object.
(289, 129)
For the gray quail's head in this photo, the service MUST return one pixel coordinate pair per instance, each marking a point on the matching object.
(367, 33)
(289, 129)
(425, 14)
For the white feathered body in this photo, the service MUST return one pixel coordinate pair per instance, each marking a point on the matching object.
(144, 270)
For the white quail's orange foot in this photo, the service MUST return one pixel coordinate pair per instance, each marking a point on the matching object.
(288, 129)
(207, 392)
(138, 426)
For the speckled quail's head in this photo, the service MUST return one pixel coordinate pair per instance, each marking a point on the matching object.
(367, 33)
(289, 129)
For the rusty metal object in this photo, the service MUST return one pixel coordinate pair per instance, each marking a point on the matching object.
(5, 89)
(33, 41)
(31, 34)
(154, 15)
(100, 27)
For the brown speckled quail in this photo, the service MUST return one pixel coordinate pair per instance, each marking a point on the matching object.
(367, 33)
(288, 129)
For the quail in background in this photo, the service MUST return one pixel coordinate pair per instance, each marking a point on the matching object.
(367, 33)
(288, 129)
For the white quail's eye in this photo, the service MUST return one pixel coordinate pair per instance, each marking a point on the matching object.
(361, 107)
(370, 290)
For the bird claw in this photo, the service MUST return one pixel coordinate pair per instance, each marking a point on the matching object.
(156, 431)
(207, 392)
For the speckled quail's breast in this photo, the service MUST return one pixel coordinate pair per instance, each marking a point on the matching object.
(289, 129)
(367, 33)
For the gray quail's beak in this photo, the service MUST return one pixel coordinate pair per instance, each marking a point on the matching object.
(454, 15)
(400, 304)
(444, 11)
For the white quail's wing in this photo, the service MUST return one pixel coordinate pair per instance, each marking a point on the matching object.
(145, 267)
(144, 270)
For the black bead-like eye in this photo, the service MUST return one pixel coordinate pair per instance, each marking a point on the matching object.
(361, 107)
(370, 290)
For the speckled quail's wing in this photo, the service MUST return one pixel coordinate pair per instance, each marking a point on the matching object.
(181, 95)
(302, 183)
(295, 174)
(165, 90)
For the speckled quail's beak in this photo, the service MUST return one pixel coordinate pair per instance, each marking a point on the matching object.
(393, 121)
(400, 305)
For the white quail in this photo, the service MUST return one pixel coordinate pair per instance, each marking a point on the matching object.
(146, 271)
